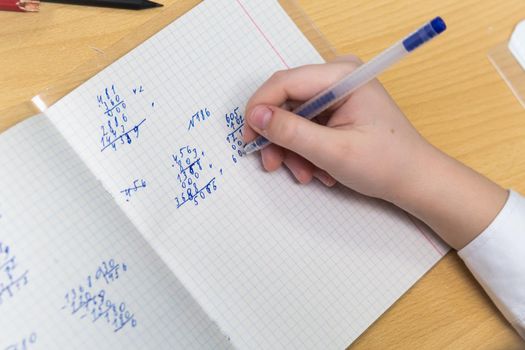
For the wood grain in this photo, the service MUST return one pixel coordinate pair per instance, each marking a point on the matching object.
(449, 90)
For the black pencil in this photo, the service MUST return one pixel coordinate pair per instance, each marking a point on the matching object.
(121, 4)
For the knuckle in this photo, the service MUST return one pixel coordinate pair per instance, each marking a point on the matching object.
(352, 65)
(355, 60)
(350, 59)
(287, 132)
(278, 76)
(350, 62)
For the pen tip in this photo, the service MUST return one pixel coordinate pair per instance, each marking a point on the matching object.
(248, 148)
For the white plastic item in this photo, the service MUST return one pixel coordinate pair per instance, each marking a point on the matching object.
(517, 43)
(509, 60)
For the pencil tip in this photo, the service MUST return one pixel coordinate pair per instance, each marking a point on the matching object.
(150, 4)
(29, 5)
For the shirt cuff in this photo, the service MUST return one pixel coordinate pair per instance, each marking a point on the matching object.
(497, 259)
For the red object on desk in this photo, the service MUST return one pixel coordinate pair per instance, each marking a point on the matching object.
(20, 5)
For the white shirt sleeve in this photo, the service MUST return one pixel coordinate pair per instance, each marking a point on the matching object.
(497, 259)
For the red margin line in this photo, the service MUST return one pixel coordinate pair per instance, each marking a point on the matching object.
(287, 66)
(423, 233)
(262, 33)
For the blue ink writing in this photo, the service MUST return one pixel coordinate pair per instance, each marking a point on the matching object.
(138, 90)
(11, 279)
(137, 184)
(24, 344)
(234, 123)
(193, 194)
(107, 271)
(195, 175)
(124, 137)
(117, 128)
(89, 300)
(200, 116)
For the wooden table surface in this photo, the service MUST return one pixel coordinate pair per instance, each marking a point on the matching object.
(449, 90)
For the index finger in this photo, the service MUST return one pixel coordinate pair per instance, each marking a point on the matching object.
(299, 84)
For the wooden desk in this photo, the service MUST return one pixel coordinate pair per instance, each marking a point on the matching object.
(449, 90)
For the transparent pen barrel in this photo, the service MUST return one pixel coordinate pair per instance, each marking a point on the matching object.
(362, 75)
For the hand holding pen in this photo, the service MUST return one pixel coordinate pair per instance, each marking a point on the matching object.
(367, 144)
(360, 129)
(360, 76)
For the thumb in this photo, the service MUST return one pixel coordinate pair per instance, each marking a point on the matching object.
(292, 132)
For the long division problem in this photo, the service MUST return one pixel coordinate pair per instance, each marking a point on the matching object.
(89, 300)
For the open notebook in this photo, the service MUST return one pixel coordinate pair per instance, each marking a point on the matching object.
(129, 219)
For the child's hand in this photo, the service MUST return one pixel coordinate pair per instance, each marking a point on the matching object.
(365, 143)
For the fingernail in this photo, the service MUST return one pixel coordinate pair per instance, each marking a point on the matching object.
(260, 117)
(325, 178)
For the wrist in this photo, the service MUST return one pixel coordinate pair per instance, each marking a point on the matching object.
(416, 177)
(454, 200)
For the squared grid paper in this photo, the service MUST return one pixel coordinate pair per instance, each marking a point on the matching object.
(274, 264)
(61, 224)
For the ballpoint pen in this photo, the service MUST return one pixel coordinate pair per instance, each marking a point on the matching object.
(360, 76)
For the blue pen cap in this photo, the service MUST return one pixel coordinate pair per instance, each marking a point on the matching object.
(425, 33)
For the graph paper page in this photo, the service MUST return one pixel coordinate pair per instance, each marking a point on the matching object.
(74, 271)
(274, 263)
